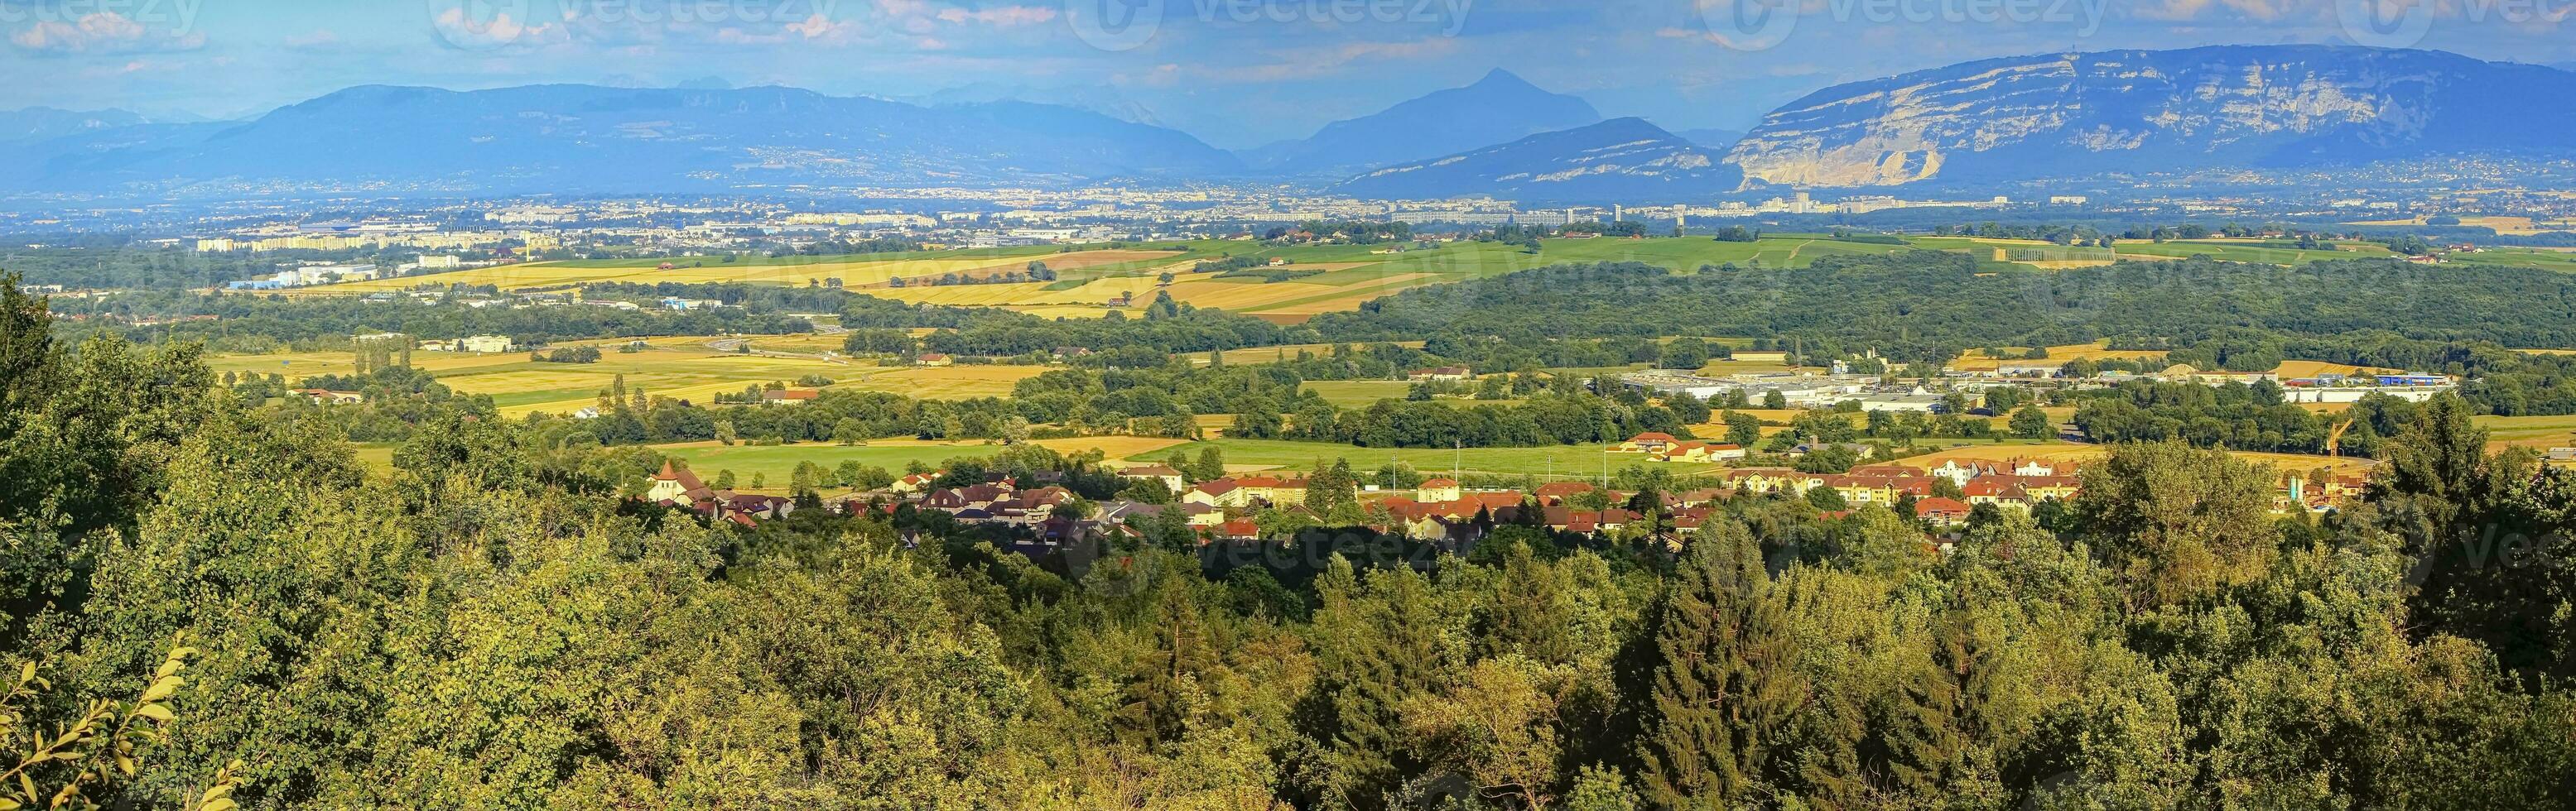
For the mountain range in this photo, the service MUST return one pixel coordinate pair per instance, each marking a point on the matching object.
(1623, 159)
(588, 139)
(2082, 114)
(2071, 115)
(42, 123)
(1497, 108)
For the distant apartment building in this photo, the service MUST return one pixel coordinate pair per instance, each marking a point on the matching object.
(487, 344)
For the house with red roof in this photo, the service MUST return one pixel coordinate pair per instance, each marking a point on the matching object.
(1219, 493)
(1942, 511)
(1554, 493)
(1437, 490)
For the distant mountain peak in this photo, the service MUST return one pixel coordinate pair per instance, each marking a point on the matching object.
(1501, 78)
(1495, 109)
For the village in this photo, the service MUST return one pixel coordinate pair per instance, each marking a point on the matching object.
(1942, 497)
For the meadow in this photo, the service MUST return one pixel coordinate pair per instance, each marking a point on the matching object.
(1562, 461)
(778, 462)
(2538, 433)
(1089, 278)
(681, 368)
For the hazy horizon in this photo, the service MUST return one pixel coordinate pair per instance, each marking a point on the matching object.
(1235, 74)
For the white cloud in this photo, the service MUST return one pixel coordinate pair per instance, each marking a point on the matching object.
(999, 16)
(500, 31)
(102, 32)
(317, 39)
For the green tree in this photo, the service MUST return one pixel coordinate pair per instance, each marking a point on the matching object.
(2031, 423)
(1724, 687)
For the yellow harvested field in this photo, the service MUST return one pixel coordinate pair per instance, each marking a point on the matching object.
(1293, 297)
(975, 295)
(701, 270)
(944, 382)
(1977, 361)
(985, 267)
(2312, 368)
(680, 368)
(1276, 354)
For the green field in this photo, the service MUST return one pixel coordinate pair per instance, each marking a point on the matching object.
(2534, 258)
(778, 462)
(1358, 393)
(2536, 432)
(1564, 461)
(1088, 277)
(681, 368)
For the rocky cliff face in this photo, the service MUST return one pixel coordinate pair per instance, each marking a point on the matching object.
(1620, 160)
(2145, 111)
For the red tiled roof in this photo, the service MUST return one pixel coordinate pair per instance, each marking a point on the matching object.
(674, 471)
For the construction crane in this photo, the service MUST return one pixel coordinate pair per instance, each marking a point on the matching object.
(2334, 437)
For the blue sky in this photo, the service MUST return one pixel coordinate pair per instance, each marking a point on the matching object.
(1235, 72)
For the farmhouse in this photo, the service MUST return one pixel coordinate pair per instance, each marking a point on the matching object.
(1649, 442)
(789, 396)
(1444, 374)
(933, 359)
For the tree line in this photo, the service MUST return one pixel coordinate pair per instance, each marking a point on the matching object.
(487, 622)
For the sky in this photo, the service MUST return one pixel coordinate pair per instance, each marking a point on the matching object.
(1236, 73)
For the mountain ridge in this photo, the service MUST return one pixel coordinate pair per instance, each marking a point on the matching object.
(2253, 106)
(593, 139)
(1621, 159)
(1498, 108)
